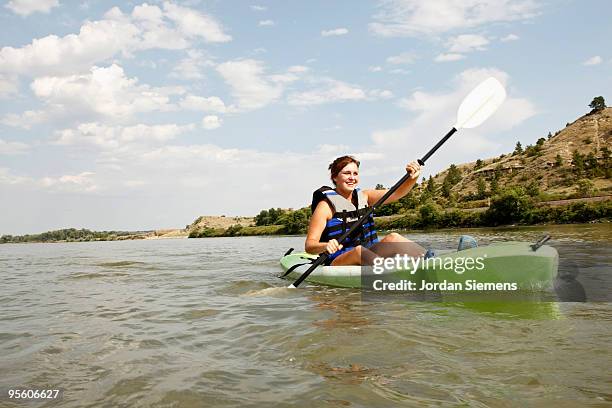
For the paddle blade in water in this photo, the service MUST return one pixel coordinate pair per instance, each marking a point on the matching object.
(481, 103)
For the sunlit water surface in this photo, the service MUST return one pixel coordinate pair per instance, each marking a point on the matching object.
(185, 323)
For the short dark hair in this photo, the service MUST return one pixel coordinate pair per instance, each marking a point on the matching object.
(337, 165)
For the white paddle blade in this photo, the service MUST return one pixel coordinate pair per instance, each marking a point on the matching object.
(481, 103)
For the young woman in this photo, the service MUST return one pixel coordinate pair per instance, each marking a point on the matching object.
(335, 210)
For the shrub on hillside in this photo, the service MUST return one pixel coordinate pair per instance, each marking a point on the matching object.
(509, 206)
(430, 214)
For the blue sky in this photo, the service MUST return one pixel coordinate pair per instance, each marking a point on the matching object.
(130, 115)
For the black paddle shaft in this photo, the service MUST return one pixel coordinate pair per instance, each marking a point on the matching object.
(321, 259)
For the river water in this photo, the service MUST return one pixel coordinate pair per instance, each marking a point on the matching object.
(184, 323)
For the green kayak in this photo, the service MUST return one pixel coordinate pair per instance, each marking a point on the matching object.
(511, 263)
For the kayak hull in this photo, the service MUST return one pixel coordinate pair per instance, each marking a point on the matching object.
(505, 262)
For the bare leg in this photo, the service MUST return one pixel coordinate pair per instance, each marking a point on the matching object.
(355, 256)
(391, 245)
(395, 244)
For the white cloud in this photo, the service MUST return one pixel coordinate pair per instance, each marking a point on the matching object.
(211, 122)
(148, 27)
(397, 18)
(70, 183)
(285, 78)
(266, 23)
(402, 59)
(250, 84)
(153, 30)
(256, 7)
(97, 41)
(462, 44)
(196, 24)
(191, 67)
(375, 69)
(8, 86)
(334, 32)
(200, 103)
(596, 60)
(330, 90)
(435, 113)
(297, 69)
(27, 7)
(449, 57)
(12, 147)
(399, 71)
(146, 12)
(24, 120)
(380, 94)
(103, 91)
(7, 178)
(510, 37)
(82, 183)
(467, 43)
(118, 137)
(180, 168)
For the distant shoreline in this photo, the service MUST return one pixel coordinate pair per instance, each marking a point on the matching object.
(381, 229)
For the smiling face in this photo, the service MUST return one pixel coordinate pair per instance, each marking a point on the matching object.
(347, 179)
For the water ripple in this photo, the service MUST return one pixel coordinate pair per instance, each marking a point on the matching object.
(207, 323)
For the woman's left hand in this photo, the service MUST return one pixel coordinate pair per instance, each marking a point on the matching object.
(414, 168)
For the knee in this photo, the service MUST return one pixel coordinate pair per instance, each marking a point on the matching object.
(395, 237)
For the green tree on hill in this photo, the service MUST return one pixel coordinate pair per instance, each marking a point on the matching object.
(605, 158)
(446, 187)
(533, 189)
(454, 175)
(389, 209)
(536, 150)
(598, 103)
(431, 186)
(481, 188)
(410, 200)
(518, 149)
(296, 222)
(269, 217)
(592, 165)
(585, 187)
(262, 218)
(578, 163)
(497, 174)
(494, 185)
(233, 230)
(509, 206)
(479, 164)
(558, 160)
(430, 214)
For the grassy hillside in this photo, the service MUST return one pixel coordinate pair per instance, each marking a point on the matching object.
(554, 166)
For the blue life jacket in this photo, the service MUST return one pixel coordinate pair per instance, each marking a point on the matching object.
(345, 214)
